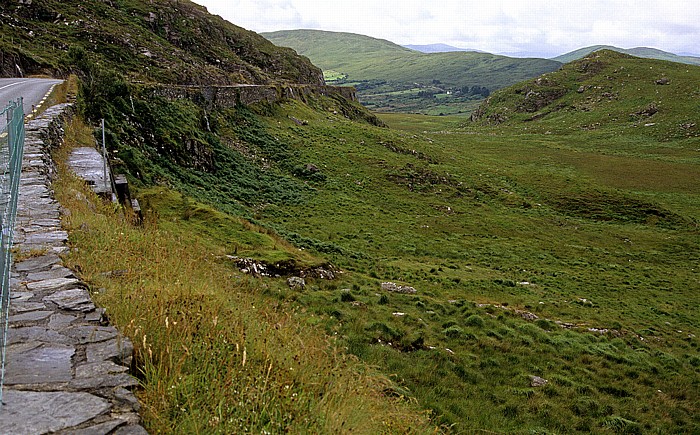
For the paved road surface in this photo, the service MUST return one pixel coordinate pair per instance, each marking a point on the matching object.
(33, 91)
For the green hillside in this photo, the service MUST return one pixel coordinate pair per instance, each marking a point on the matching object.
(644, 52)
(394, 78)
(159, 40)
(533, 271)
(554, 261)
(607, 89)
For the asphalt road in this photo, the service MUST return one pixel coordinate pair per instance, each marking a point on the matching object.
(32, 90)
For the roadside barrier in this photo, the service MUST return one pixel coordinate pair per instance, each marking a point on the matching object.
(11, 150)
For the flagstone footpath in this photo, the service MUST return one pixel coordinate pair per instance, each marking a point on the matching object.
(67, 369)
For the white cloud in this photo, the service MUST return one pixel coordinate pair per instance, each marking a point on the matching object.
(546, 27)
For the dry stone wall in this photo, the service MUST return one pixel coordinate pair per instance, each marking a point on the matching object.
(221, 97)
(67, 368)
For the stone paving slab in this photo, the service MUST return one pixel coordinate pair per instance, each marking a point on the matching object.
(67, 371)
(30, 412)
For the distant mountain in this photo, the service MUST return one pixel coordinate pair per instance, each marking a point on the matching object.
(438, 48)
(644, 52)
(390, 77)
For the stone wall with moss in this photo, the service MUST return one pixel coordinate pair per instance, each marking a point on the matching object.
(220, 97)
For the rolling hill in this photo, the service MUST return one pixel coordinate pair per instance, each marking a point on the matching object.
(644, 52)
(389, 77)
(605, 89)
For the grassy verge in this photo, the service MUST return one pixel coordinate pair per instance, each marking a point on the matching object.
(216, 351)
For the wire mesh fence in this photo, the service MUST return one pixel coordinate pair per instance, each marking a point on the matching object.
(11, 150)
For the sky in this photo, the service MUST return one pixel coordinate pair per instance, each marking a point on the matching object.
(545, 28)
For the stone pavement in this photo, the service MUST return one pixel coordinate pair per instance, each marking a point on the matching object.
(67, 369)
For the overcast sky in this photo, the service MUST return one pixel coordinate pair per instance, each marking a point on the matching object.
(545, 28)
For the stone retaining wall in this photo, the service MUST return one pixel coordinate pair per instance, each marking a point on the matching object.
(67, 368)
(221, 97)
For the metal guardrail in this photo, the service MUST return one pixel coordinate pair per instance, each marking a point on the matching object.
(11, 151)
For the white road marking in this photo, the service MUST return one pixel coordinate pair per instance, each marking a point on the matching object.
(11, 84)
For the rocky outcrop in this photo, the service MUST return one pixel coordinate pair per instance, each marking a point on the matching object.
(395, 288)
(67, 368)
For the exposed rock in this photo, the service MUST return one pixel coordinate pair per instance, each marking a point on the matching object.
(394, 288)
(284, 268)
(100, 429)
(663, 81)
(51, 354)
(58, 320)
(57, 272)
(296, 282)
(32, 316)
(650, 110)
(536, 381)
(527, 315)
(119, 350)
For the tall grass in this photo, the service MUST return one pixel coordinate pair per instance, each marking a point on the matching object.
(215, 353)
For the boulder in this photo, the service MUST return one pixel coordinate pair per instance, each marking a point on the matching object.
(296, 282)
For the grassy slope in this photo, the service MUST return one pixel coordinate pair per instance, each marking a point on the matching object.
(591, 228)
(601, 225)
(147, 40)
(215, 350)
(365, 59)
(645, 52)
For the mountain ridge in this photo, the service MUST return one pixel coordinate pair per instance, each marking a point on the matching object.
(438, 48)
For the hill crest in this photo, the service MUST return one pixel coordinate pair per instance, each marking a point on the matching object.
(605, 88)
(643, 52)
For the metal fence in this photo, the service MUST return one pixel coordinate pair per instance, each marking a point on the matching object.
(11, 150)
